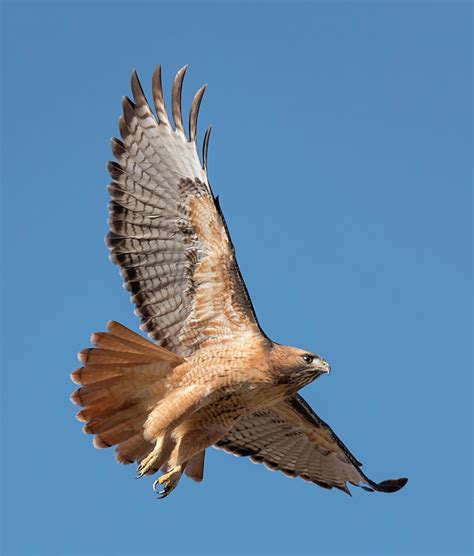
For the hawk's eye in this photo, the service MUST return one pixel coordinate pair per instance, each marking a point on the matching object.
(308, 358)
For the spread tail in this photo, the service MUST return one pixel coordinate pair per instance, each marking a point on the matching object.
(121, 382)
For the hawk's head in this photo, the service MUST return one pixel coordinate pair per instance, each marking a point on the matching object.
(298, 367)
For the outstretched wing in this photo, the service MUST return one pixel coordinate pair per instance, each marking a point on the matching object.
(167, 232)
(291, 438)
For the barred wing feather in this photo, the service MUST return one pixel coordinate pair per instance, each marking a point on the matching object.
(167, 232)
(291, 438)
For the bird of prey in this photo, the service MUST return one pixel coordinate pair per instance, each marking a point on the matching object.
(209, 376)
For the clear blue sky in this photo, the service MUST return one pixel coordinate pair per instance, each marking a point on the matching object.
(341, 153)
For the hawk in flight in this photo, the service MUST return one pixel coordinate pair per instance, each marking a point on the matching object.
(209, 376)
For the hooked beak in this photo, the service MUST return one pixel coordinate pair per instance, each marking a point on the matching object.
(323, 366)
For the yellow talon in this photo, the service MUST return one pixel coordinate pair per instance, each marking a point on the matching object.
(169, 481)
(152, 458)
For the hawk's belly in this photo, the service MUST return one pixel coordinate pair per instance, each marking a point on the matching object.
(226, 405)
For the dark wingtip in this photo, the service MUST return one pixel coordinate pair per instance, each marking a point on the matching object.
(194, 112)
(137, 89)
(392, 485)
(205, 147)
(176, 100)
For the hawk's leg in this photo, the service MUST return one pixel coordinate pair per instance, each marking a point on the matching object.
(152, 460)
(163, 419)
(194, 441)
(169, 481)
(187, 444)
(171, 411)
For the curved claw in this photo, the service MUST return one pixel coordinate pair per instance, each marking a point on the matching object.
(167, 488)
(141, 471)
(168, 481)
(162, 494)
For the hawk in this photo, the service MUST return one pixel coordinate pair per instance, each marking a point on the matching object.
(209, 376)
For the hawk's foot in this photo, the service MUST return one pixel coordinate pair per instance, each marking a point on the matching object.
(169, 481)
(149, 462)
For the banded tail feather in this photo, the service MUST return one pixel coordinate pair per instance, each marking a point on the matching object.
(122, 379)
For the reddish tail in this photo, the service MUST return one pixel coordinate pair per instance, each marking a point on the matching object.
(121, 382)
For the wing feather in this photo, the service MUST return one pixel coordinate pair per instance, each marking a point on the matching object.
(205, 147)
(194, 113)
(291, 438)
(167, 231)
(158, 98)
(176, 100)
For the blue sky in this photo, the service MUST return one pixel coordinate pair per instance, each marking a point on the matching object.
(341, 153)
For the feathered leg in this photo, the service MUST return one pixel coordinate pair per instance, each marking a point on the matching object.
(164, 419)
(189, 444)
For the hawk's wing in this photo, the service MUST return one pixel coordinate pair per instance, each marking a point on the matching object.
(167, 232)
(291, 438)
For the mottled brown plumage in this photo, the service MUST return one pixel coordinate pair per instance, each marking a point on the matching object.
(214, 377)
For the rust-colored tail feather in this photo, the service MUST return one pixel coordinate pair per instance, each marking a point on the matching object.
(195, 467)
(121, 381)
(133, 449)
